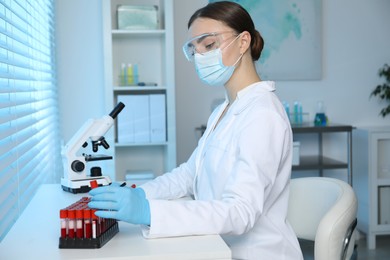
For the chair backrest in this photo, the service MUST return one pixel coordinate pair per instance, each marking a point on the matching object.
(322, 210)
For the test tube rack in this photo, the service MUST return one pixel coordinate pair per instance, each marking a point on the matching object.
(81, 228)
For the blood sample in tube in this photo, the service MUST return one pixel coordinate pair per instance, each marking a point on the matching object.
(71, 223)
(93, 184)
(79, 223)
(95, 224)
(64, 222)
(87, 223)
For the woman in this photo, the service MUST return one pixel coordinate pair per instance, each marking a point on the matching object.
(239, 174)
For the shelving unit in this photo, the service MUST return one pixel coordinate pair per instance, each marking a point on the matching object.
(152, 50)
(371, 162)
(320, 161)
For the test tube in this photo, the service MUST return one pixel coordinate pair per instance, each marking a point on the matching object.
(94, 184)
(79, 223)
(87, 223)
(95, 224)
(296, 112)
(64, 224)
(103, 226)
(71, 223)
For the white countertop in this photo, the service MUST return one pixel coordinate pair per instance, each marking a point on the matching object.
(36, 236)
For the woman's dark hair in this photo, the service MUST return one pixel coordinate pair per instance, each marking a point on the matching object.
(234, 16)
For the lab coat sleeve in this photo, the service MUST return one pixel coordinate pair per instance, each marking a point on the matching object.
(179, 182)
(259, 149)
(172, 185)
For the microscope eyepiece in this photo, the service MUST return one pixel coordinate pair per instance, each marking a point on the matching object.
(114, 113)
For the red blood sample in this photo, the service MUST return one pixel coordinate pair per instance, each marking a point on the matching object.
(103, 224)
(79, 223)
(87, 223)
(95, 224)
(64, 224)
(94, 184)
(71, 223)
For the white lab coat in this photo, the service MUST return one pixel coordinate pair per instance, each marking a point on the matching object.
(239, 177)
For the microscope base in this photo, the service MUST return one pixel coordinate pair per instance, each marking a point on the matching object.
(84, 185)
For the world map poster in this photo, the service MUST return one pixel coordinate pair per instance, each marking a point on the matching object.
(292, 31)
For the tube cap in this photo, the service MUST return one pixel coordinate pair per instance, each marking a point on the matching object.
(94, 184)
(63, 213)
(79, 213)
(87, 213)
(71, 214)
(93, 213)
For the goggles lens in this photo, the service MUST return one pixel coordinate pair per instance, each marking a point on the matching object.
(201, 44)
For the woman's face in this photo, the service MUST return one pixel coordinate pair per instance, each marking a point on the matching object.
(224, 36)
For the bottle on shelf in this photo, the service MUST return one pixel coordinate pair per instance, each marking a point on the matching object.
(123, 76)
(320, 119)
(130, 75)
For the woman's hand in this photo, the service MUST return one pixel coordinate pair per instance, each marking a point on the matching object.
(121, 203)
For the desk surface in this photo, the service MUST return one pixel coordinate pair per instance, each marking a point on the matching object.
(36, 235)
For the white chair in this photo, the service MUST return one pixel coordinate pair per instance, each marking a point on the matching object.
(324, 210)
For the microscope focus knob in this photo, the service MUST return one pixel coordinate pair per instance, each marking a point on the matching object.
(77, 166)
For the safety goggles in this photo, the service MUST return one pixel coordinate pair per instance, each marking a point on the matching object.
(204, 43)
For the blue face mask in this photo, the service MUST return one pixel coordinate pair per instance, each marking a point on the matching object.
(210, 68)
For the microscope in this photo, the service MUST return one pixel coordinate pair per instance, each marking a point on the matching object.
(75, 178)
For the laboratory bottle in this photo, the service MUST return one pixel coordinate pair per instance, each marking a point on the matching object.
(298, 117)
(123, 76)
(320, 118)
(130, 78)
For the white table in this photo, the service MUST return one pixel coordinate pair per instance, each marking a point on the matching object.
(36, 236)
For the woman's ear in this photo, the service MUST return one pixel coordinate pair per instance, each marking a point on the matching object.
(245, 41)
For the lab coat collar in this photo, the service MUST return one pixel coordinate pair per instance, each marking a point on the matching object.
(257, 86)
(246, 95)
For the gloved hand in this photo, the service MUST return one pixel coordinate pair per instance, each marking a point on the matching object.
(121, 203)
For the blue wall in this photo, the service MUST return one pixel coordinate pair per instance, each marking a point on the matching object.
(356, 40)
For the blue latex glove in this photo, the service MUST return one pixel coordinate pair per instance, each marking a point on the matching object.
(121, 203)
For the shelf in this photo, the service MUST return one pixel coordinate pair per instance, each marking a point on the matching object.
(311, 128)
(317, 160)
(138, 32)
(383, 182)
(140, 144)
(317, 163)
(371, 149)
(152, 50)
(137, 88)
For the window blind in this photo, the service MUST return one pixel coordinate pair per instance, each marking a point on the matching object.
(29, 126)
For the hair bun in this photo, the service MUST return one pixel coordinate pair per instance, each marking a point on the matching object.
(257, 45)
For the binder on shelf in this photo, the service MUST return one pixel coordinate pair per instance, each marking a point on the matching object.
(157, 118)
(143, 120)
(126, 121)
(140, 105)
